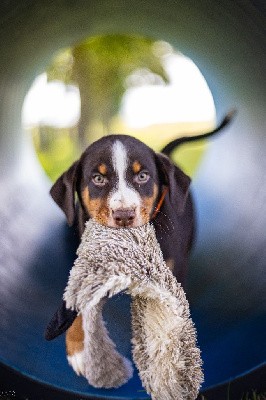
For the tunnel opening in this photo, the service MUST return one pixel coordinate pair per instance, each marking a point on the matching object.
(147, 90)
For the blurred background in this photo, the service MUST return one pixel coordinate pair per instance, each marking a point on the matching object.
(117, 84)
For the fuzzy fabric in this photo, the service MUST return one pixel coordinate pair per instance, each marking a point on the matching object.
(164, 337)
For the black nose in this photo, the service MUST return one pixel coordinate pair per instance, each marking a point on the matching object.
(124, 217)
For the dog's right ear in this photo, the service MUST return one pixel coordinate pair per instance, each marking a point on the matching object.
(63, 192)
(176, 180)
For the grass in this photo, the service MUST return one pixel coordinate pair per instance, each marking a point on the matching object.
(254, 396)
(247, 396)
(57, 149)
(9, 395)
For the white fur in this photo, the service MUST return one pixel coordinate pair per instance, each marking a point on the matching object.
(77, 362)
(112, 286)
(123, 196)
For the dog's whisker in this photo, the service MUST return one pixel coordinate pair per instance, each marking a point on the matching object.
(166, 225)
(162, 228)
(167, 217)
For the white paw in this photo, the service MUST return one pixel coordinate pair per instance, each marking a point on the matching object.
(77, 362)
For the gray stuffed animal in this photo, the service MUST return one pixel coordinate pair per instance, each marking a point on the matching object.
(164, 346)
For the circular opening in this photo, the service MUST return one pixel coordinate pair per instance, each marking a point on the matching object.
(117, 84)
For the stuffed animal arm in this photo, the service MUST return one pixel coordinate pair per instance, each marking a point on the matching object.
(164, 345)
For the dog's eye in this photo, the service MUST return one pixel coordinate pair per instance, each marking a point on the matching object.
(99, 179)
(142, 177)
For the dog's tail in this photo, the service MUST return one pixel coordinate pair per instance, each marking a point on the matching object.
(167, 150)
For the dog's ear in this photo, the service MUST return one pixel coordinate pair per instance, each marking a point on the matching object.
(176, 180)
(63, 192)
(61, 321)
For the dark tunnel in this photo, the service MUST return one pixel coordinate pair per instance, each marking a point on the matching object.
(227, 281)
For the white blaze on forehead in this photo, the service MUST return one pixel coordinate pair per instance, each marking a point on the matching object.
(120, 160)
(123, 196)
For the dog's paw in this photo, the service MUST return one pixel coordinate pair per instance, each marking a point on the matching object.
(76, 361)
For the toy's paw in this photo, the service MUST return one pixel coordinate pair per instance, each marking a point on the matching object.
(76, 361)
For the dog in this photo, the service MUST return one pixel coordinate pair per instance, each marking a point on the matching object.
(121, 182)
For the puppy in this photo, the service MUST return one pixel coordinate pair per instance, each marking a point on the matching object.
(121, 182)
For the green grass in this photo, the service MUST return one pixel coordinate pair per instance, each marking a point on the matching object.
(247, 396)
(57, 149)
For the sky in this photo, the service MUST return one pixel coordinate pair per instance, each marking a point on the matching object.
(186, 99)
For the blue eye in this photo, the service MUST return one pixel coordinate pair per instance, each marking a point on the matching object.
(142, 177)
(99, 180)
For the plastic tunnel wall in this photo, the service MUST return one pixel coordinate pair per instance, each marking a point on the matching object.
(226, 39)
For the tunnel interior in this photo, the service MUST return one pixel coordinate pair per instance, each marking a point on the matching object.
(227, 272)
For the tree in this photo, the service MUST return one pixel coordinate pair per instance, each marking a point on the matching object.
(100, 67)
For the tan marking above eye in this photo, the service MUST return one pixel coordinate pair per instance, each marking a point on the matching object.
(102, 168)
(136, 167)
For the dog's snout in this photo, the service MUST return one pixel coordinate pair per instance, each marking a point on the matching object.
(124, 217)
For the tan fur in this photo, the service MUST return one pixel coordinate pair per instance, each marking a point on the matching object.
(136, 167)
(97, 208)
(148, 204)
(75, 337)
(170, 264)
(102, 169)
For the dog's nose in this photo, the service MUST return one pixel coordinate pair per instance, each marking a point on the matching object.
(124, 217)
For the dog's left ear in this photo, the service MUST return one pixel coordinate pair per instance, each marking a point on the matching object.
(176, 180)
(61, 321)
(63, 192)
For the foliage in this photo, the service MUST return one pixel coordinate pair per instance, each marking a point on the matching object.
(59, 152)
(100, 66)
(103, 67)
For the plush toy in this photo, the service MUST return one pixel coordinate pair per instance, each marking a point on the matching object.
(164, 348)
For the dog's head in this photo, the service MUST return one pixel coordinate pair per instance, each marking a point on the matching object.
(119, 182)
